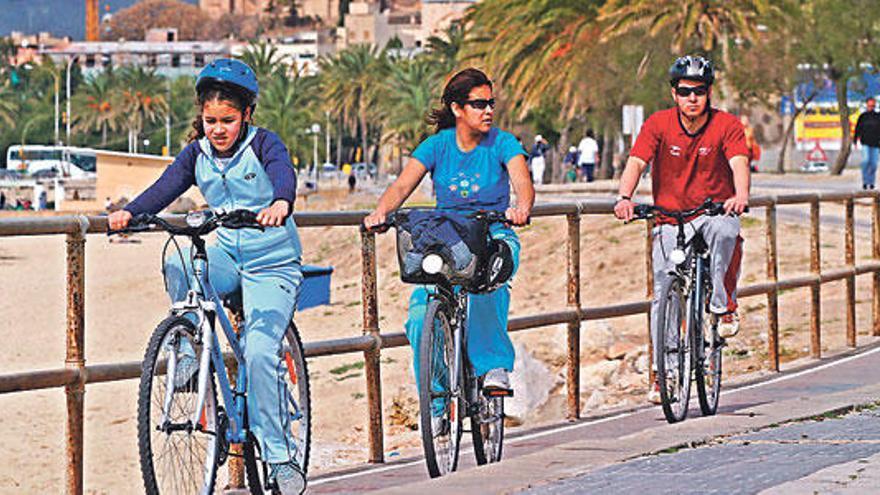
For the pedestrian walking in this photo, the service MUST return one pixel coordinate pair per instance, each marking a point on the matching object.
(536, 159)
(589, 155)
(570, 164)
(352, 182)
(868, 134)
(2, 200)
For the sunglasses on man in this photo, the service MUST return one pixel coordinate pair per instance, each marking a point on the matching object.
(685, 91)
(480, 104)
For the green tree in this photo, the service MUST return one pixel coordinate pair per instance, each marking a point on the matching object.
(445, 48)
(411, 87)
(142, 100)
(287, 108)
(838, 38)
(95, 106)
(265, 59)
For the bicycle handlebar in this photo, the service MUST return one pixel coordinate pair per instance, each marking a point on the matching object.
(199, 223)
(711, 208)
(489, 216)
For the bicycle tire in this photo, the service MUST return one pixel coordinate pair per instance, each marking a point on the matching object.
(707, 345)
(674, 380)
(487, 429)
(167, 471)
(300, 415)
(441, 448)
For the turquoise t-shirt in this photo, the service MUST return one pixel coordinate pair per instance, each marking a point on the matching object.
(476, 180)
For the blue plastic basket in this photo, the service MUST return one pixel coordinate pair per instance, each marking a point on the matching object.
(315, 289)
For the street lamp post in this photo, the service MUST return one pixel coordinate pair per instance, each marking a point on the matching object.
(69, 63)
(57, 77)
(327, 136)
(316, 129)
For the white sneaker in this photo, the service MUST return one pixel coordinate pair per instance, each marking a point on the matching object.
(654, 394)
(728, 325)
(288, 477)
(497, 379)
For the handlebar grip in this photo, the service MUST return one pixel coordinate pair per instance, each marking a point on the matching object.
(377, 229)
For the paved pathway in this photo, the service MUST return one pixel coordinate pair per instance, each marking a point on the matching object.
(745, 464)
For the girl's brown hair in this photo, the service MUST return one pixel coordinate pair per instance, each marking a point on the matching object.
(457, 90)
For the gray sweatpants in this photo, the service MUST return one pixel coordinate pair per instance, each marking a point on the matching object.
(725, 245)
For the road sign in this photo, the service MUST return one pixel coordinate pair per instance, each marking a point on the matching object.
(817, 154)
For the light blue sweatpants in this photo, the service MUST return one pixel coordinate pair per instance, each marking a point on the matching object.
(488, 344)
(269, 289)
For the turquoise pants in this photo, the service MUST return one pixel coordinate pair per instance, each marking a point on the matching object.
(269, 287)
(488, 344)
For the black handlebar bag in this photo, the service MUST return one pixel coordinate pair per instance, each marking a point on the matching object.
(461, 242)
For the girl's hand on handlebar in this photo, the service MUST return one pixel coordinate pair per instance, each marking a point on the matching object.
(374, 219)
(624, 210)
(118, 220)
(275, 214)
(517, 215)
(736, 205)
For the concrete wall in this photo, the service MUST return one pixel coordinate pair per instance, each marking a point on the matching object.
(126, 175)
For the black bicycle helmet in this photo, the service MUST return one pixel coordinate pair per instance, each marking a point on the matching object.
(692, 68)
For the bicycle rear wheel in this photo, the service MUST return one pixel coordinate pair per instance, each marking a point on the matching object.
(487, 428)
(293, 373)
(440, 405)
(673, 353)
(176, 455)
(707, 371)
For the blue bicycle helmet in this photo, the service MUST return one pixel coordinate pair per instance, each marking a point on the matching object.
(692, 68)
(231, 73)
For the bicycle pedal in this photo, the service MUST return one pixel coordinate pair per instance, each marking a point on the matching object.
(497, 392)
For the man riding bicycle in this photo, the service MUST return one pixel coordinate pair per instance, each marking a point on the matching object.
(696, 152)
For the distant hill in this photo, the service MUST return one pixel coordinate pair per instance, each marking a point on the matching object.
(59, 17)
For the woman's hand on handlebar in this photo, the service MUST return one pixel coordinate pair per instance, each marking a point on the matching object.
(518, 215)
(275, 214)
(118, 220)
(373, 219)
(624, 210)
(736, 205)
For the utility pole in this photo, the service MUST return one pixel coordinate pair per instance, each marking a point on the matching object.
(168, 123)
(67, 123)
(327, 136)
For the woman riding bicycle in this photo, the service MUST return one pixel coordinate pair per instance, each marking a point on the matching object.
(238, 165)
(473, 165)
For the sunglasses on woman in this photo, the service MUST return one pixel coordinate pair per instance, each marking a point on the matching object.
(685, 91)
(481, 104)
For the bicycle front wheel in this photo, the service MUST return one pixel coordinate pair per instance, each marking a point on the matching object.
(177, 456)
(439, 392)
(708, 367)
(487, 428)
(293, 374)
(673, 353)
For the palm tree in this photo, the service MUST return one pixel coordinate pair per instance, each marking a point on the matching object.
(8, 108)
(96, 108)
(707, 24)
(411, 88)
(445, 48)
(286, 107)
(142, 100)
(351, 80)
(264, 59)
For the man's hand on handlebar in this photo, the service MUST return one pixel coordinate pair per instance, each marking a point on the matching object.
(736, 205)
(118, 220)
(373, 219)
(517, 215)
(624, 210)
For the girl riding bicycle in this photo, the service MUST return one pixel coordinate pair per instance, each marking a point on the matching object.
(238, 165)
(473, 165)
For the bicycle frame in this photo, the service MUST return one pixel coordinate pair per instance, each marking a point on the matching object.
(457, 299)
(203, 301)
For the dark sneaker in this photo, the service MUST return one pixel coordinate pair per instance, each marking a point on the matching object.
(289, 478)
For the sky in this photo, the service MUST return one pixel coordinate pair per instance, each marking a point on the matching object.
(59, 17)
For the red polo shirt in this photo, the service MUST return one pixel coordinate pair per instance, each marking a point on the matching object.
(687, 169)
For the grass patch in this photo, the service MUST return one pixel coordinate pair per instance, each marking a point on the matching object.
(352, 303)
(346, 377)
(746, 222)
(357, 395)
(345, 368)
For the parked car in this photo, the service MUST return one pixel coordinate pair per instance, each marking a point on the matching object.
(814, 167)
(8, 174)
